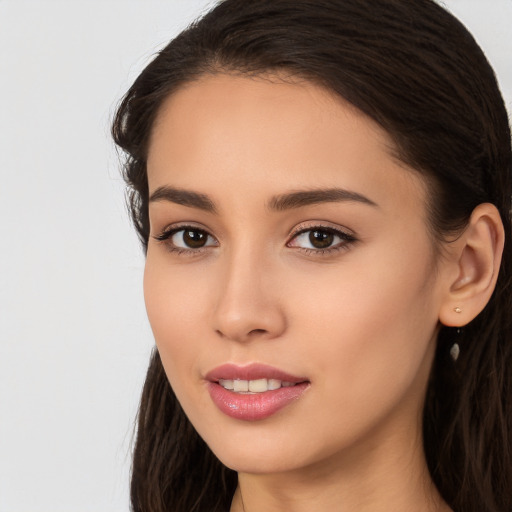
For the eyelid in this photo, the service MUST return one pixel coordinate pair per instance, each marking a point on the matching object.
(165, 236)
(171, 229)
(327, 226)
(347, 238)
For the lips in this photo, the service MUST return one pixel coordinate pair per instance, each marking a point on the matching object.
(253, 392)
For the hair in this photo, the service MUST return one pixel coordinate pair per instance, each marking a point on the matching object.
(415, 70)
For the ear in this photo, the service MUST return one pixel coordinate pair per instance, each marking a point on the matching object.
(474, 262)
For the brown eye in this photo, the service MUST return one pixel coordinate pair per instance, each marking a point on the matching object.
(321, 239)
(194, 238)
(189, 238)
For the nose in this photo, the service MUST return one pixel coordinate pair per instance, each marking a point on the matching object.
(248, 305)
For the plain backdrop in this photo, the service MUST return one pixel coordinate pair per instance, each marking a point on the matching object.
(74, 339)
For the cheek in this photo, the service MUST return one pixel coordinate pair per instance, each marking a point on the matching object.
(175, 295)
(175, 304)
(372, 327)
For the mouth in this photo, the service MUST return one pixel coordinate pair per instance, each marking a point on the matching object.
(252, 378)
(253, 392)
(254, 386)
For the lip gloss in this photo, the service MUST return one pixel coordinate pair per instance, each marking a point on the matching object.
(249, 406)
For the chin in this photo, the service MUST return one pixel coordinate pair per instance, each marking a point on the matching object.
(256, 461)
(260, 450)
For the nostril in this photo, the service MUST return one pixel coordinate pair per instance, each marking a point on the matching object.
(257, 331)
(248, 323)
(244, 336)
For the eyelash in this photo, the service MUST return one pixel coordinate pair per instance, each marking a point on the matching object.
(346, 238)
(166, 235)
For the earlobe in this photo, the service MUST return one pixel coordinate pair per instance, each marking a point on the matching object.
(477, 255)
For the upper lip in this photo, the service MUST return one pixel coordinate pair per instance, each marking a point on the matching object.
(253, 371)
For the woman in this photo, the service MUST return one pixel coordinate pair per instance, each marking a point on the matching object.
(323, 189)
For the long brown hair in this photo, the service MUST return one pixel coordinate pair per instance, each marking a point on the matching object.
(415, 70)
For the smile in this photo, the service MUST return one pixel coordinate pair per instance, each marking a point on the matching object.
(253, 392)
(254, 386)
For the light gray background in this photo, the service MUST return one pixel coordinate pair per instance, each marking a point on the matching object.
(74, 340)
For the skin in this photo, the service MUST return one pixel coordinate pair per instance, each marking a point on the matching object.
(360, 322)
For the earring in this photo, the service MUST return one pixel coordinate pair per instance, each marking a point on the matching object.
(457, 310)
(455, 350)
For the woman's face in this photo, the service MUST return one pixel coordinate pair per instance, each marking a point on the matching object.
(288, 245)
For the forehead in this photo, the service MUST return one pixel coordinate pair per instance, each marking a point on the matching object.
(268, 134)
(263, 100)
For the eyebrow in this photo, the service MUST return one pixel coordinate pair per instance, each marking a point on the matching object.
(281, 202)
(183, 197)
(317, 196)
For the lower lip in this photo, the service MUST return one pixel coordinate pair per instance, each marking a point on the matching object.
(254, 406)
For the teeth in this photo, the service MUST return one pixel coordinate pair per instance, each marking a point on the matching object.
(227, 384)
(274, 384)
(253, 386)
(241, 385)
(257, 386)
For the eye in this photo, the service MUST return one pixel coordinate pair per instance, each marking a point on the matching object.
(186, 239)
(191, 239)
(321, 239)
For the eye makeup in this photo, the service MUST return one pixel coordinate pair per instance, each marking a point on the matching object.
(311, 238)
